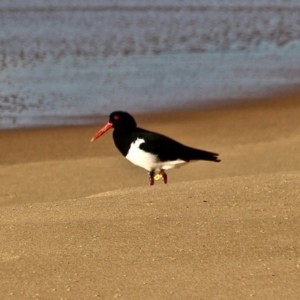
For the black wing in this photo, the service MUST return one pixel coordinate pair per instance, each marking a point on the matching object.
(168, 149)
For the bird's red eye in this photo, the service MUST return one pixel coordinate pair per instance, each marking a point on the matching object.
(116, 117)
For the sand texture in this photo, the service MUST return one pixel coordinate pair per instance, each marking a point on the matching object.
(78, 221)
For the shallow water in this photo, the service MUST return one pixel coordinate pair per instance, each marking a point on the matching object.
(75, 62)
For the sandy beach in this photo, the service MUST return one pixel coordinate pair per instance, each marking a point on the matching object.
(78, 221)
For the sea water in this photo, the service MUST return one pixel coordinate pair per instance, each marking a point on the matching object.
(73, 62)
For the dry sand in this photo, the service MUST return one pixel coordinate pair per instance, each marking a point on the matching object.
(79, 222)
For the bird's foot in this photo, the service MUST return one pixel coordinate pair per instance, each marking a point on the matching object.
(151, 178)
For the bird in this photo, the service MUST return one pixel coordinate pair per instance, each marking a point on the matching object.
(152, 151)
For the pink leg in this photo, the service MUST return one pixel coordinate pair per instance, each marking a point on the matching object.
(165, 178)
(151, 178)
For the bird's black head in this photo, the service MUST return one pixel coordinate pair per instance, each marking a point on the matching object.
(122, 120)
(119, 120)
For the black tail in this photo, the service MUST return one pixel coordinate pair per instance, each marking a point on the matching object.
(197, 154)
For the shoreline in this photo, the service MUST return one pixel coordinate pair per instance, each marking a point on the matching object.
(290, 97)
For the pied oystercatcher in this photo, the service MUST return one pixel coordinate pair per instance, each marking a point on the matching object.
(149, 150)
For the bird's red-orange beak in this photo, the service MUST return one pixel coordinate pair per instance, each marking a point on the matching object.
(102, 131)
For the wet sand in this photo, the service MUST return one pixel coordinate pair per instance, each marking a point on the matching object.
(78, 221)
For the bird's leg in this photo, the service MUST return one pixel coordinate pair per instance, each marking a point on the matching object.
(151, 177)
(164, 176)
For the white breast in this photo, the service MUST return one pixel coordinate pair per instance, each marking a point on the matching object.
(140, 157)
(147, 160)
